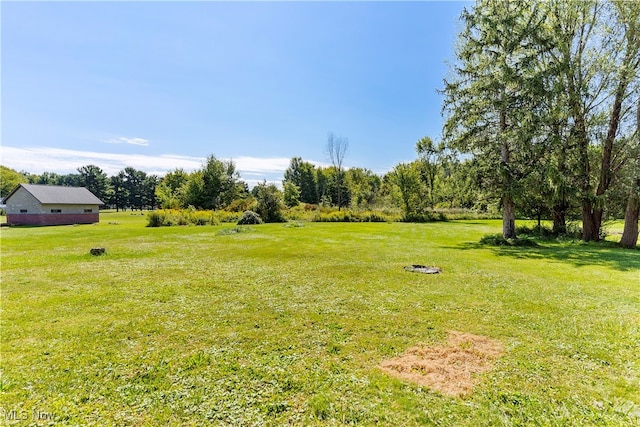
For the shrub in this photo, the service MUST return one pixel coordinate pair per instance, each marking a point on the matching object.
(291, 194)
(169, 217)
(460, 213)
(269, 203)
(371, 217)
(201, 218)
(536, 231)
(241, 205)
(351, 216)
(249, 218)
(225, 216)
(155, 219)
(544, 232)
(498, 240)
(428, 216)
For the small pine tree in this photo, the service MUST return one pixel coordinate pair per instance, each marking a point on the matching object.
(291, 194)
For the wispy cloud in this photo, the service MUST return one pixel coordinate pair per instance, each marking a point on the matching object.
(124, 140)
(41, 159)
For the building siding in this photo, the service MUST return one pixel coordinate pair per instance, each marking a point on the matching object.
(23, 200)
(68, 209)
(53, 218)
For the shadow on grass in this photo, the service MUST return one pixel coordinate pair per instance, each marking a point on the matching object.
(579, 254)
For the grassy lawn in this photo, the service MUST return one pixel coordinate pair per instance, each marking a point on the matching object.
(288, 324)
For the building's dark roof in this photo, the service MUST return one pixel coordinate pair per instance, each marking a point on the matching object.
(58, 195)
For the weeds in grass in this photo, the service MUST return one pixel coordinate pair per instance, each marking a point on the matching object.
(235, 230)
(294, 224)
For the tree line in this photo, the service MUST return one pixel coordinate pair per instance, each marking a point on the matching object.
(544, 96)
(440, 178)
(429, 182)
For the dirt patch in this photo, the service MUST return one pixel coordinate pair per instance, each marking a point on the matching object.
(448, 369)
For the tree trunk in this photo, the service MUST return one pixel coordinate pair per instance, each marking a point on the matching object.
(559, 219)
(508, 205)
(606, 172)
(630, 233)
(508, 218)
(339, 192)
(560, 204)
(590, 231)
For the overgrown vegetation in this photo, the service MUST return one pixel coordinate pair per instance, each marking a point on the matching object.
(312, 213)
(170, 217)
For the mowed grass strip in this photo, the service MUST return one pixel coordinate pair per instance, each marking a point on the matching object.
(276, 324)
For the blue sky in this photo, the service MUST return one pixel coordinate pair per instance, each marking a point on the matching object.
(160, 85)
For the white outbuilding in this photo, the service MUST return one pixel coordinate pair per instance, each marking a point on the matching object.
(31, 204)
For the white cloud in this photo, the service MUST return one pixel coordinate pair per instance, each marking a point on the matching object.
(132, 141)
(259, 166)
(41, 159)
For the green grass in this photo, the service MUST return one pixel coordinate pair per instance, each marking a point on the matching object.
(286, 324)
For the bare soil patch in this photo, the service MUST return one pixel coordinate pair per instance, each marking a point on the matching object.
(450, 369)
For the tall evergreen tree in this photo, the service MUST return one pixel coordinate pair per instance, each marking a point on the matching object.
(492, 100)
(95, 180)
(303, 175)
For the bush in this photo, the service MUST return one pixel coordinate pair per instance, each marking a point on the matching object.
(544, 232)
(424, 217)
(536, 231)
(241, 205)
(498, 240)
(202, 218)
(249, 218)
(269, 202)
(155, 219)
(373, 217)
(169, 217)
(225, 216)
(460, 213)
(351, 216)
